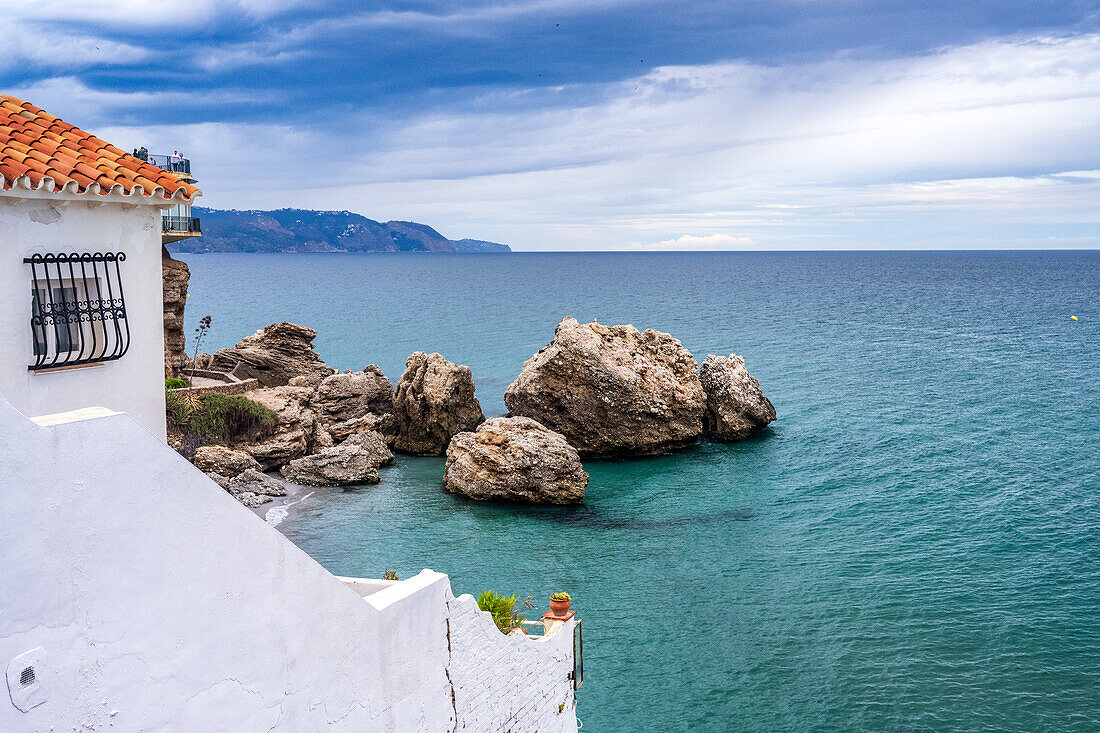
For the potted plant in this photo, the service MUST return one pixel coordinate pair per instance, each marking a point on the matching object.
(559, 603)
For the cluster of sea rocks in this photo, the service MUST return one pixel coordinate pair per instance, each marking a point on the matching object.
(594, 391)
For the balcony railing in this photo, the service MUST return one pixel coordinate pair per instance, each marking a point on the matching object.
(188, 224)
(171, 163)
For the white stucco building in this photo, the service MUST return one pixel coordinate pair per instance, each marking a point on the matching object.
(80, 234)
(136, 594)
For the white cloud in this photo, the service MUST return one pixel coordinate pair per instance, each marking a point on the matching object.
(72, 100)
(471, 20)
(147, 13)
(43, 33)
(27, 43)
(842, 153)
(692, 243)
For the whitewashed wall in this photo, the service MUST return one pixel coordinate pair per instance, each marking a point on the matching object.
(500, 683)
(155, 602)
(36, 222)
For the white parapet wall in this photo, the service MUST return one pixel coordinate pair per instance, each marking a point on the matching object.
(143, 597)
(500, 682)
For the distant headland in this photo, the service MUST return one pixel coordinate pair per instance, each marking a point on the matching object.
(304, 230)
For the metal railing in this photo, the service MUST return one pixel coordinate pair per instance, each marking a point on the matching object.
(78, 314)
(171, 163)
(180, 224)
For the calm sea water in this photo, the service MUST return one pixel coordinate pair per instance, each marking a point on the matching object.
(913, 545)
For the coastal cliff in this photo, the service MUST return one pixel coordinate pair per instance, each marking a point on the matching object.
(303, 230)
(175, 275)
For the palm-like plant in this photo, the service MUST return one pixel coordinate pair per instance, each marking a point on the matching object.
(503, 610)
(204, 326)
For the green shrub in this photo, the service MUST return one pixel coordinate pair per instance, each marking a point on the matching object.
(561, 597)
(173, 383)
(219, 418)
(502, 609)
(224, 418)
(178, 409)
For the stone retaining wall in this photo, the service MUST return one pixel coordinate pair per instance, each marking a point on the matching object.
(245, 385)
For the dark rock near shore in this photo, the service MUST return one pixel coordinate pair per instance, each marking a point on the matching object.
(256, 482)
(434, 402)
(222, 481)
(612, 391)
(736, 406)
(355, 461)
(515, 459)
(274, 355)
(252, 488)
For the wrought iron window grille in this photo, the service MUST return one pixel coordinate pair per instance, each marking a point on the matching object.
(78, 312)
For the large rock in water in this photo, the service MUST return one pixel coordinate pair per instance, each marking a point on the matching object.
(612, 391)
(353, 402)
(736, 407)
(515, 459)
(355, 461)
(293, 432)
(434, 402)
(273, 355)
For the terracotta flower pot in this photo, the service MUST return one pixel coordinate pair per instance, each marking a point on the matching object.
(559, 608)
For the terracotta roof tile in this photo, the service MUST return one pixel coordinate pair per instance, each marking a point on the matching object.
(36, 144)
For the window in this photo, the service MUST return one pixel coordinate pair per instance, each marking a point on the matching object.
(78, 314)
(61, 300)
(178, 219)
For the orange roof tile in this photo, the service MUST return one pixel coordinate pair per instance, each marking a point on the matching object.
(35, 144)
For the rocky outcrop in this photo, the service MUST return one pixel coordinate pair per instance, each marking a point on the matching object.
(274, 355)
(736, 407)
(355, 461)
(515, 459)
(294, 431)
(354, 402)
(434, 402)
(223, 461)
(612, 391)
(175, 275)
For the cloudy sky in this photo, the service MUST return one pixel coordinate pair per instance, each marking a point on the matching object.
(604, 124)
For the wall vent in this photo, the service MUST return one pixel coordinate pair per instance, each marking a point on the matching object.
(27, 679)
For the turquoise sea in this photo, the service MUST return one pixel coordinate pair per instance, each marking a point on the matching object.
(914, 545)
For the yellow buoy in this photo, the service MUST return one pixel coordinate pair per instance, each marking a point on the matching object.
(1073, 318)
